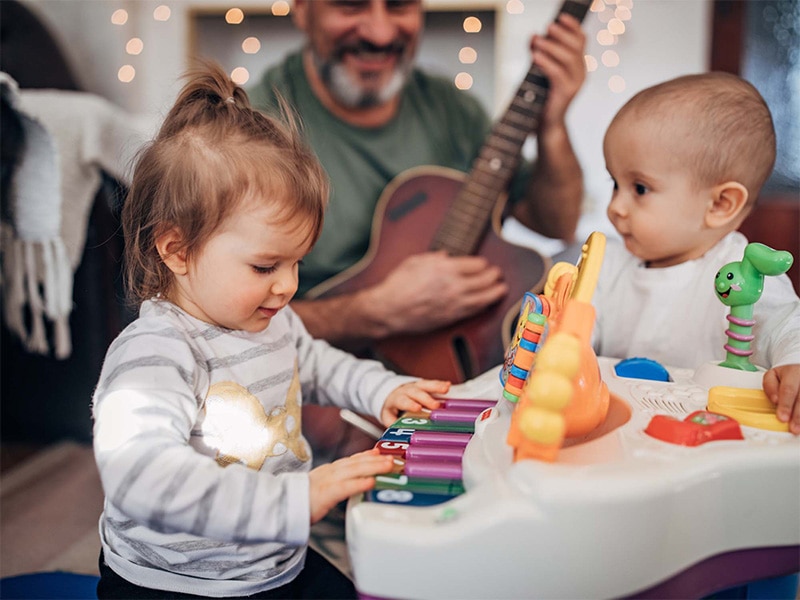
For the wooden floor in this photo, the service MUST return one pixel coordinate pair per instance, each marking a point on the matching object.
(50, 502)
(13, 454)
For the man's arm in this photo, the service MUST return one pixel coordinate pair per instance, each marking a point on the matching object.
(552, 201)
(426, 291)
(342, 320)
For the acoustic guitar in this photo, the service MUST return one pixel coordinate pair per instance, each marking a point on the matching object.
(434, 208)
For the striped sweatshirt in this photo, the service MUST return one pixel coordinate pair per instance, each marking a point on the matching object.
(198, 442)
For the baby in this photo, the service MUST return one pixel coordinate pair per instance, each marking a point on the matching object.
(688, 159)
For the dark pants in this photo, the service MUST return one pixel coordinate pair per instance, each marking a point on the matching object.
(318, 579)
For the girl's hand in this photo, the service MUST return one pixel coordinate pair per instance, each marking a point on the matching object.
(331, 483)
(412, 397)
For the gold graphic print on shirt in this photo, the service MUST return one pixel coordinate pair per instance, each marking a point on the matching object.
(242, 432)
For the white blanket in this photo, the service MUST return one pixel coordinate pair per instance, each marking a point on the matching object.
(70, 138)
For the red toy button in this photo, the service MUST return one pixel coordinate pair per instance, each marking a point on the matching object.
(698, 428)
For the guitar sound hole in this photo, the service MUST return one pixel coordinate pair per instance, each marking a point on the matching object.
(463, 356)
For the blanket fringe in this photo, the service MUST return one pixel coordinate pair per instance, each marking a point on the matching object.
(37, 275)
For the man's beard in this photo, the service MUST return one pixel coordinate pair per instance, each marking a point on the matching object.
(349, 92)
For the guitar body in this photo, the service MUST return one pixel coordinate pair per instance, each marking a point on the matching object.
(407, 218)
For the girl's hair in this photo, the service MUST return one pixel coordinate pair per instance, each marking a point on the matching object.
(723, 125)
(214, 150)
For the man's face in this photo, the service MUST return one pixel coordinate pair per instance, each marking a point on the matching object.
(362, 49)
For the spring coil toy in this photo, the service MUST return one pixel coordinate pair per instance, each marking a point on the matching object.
(739, 285)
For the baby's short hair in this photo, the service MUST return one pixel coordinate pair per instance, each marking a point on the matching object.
(727, 128)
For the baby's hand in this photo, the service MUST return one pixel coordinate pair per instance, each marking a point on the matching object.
(782, 387)
(333, 482)
(412, 397)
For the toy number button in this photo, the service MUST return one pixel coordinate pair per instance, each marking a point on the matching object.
(394, 496)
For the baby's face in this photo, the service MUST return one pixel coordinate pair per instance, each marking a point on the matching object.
(655, 205)
(247, 271)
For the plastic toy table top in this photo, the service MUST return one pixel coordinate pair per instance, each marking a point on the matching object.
(619, 513)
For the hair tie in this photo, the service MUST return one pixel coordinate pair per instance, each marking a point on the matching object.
(230, 100)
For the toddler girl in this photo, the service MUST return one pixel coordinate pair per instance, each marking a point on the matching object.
(207, 477)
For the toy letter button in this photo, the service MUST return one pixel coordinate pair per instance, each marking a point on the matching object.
(393, 448)
(486, 417)
(406, 497)
(698, 428)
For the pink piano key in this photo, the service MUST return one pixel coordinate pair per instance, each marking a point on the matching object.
(430, 469)
(440, 438)
(467, 403)
(444, 453)
(455, 415)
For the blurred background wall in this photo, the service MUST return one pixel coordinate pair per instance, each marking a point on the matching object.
(655, 40)
(133, 52)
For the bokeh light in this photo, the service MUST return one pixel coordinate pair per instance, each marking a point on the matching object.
(234, 16)
(515, 7)
(280, 8)
(463, 81)
(610, 58)
(240, 75)
(162, 13)
(134, 46)
(472, 25)
(616, 84)
(119, 17)
(467, 55)
(251, 45)
(616, 26)
(605, 37)
(126, 73)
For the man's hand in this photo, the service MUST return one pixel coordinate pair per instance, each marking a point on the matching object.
(431, 290)
(552, 202)
(424, 292)
(559, 54)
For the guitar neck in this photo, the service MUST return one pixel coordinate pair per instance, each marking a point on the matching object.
(468, 219)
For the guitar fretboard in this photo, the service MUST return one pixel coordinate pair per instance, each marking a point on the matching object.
(468, 218)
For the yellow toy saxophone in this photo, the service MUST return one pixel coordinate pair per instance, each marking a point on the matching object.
(563, 395)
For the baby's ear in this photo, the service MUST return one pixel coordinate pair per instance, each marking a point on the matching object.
(729, 202)
(170, 248)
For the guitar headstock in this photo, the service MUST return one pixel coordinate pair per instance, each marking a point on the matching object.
(576, 8)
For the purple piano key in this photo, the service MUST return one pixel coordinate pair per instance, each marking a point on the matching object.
(431, 469)
(440, 438)
(455, 415)
(444, 453)
(467, 403)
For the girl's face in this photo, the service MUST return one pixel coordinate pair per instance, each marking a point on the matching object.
(655, 206)
(246, 272)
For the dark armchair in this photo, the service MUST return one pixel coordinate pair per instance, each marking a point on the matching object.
(45, 399)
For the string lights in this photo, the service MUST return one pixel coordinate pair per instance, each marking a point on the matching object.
(612, 14)
(135, 46)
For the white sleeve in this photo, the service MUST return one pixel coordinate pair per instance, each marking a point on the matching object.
(777, 328)
(145, 407)
(330, 376)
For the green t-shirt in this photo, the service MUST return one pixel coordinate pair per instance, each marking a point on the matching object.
(436, 124)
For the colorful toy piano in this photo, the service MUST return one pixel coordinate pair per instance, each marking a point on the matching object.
(503, 493)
